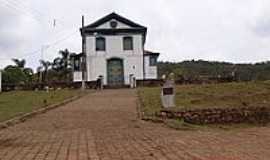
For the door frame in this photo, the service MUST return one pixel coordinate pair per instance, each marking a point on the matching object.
(122, 66)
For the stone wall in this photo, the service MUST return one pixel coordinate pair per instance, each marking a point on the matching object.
(150, 83)
(220, 115)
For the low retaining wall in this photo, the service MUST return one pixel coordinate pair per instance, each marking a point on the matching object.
(220, 115)
(150, 83)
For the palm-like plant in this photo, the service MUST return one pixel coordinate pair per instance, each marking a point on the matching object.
(65, 54)
(19, 63)
(59, 69)
(45, 65)
(56, 64)
(65, 63)
(39, 73)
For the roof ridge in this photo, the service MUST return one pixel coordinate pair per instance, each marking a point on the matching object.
(116, 16)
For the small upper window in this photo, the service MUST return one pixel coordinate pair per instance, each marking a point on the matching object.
(153, 60)
(100, 44)
(128, 43)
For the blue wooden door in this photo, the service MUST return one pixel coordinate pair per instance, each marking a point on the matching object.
(115, 72)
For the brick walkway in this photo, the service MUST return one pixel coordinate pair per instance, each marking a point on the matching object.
(103, 125)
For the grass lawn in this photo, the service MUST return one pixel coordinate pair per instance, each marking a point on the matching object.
(19, 102)
(209, 96)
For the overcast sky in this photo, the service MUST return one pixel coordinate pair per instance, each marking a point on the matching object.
(221, 30)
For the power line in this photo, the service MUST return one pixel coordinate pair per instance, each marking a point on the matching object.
(46, 46)
(17, 6)
(16, 10)
(63, 39)
(36, 11)
(28, 11)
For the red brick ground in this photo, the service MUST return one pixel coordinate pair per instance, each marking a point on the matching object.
(103, 125)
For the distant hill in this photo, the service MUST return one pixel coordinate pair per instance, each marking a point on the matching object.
(197, 69)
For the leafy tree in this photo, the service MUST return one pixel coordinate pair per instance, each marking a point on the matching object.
(45, 65)
(19, 63)
(57, 70)
(27, 71)
(65, 54)
(14, 75)
(17, 74)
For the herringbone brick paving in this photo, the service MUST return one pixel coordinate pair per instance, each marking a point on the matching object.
(104, 126)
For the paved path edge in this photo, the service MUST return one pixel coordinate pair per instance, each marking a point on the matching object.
(22, 118)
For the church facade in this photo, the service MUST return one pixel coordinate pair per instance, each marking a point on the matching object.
(114, 49)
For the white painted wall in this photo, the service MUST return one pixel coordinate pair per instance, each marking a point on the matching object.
(97, 60)
(77, 76)
(150, 71)
(132, 60)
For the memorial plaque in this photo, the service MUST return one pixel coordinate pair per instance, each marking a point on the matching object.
(167, 91)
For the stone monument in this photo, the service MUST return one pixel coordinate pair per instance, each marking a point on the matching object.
(168, 93)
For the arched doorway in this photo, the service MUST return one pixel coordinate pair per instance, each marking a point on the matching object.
(115, 72)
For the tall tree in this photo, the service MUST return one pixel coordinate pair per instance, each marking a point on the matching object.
(19, 63)
(45, 65)
(65, 64)
(65, 55)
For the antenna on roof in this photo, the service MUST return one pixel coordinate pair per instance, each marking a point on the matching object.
(54, 22)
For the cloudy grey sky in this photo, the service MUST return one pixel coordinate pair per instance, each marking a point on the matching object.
(221, 30)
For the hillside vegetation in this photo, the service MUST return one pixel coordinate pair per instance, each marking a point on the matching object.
(196, 69)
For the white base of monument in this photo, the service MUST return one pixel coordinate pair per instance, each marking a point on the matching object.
(167, 101)
(168, 94)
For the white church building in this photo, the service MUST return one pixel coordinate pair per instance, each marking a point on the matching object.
(114, 49)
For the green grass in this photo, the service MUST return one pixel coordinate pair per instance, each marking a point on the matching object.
(209, 96)
(19, 102)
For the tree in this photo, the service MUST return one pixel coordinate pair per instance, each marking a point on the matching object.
(39, 74)
(19, 63)
(45, 65)
(17, 74)
(14, 75)
(56, 64)
(61, 66)
(65, 54)
(213, 69)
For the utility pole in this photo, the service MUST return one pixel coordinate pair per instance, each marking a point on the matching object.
(83, 60)
(41, 70)
(0, 80)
